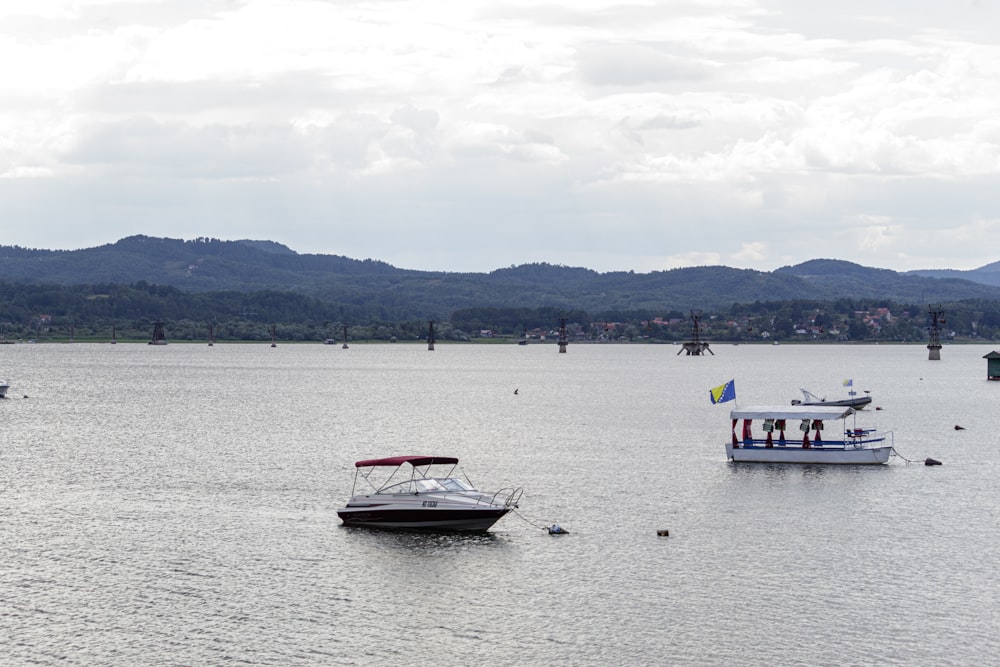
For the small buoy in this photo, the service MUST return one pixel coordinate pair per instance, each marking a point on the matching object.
(959, 428)
(556, 529)
(515, 392)
(878, 407)
(931, 462)
(663, 532)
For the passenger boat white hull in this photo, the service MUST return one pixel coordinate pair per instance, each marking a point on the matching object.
(799, 434)
(836, 455)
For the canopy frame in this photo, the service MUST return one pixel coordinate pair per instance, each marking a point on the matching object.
(364, 469)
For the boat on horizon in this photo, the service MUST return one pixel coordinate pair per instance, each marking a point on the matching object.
(3, 389)
(851, 445)
(423, 501)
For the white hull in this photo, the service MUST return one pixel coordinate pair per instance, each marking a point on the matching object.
(835, 455)
(856, 403)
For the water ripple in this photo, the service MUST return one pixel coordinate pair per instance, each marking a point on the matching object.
(181, 509)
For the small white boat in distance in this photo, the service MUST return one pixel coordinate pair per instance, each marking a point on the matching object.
(423, 501)
(853, 401)
(805, 441)
(3, 389)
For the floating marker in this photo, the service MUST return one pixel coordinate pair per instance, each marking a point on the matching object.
(931, 462)
(556, 529)
(663, 532)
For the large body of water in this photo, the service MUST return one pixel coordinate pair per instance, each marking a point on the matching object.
(177, 506)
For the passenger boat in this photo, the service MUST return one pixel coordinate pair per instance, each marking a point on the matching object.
(806, 443)
(423, 501)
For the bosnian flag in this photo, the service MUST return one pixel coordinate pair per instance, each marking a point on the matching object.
(724, 392)
(849, 383)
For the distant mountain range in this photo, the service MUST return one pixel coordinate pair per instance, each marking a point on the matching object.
(210, 265)
(987, 275)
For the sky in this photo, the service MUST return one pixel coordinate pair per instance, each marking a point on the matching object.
(447, 135)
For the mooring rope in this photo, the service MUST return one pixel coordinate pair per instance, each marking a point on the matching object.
(528, 521)
(896, 453)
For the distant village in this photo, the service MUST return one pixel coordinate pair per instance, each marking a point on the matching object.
(785, 323)
(878, 324)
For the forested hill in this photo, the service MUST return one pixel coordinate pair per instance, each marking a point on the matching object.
(211, 265)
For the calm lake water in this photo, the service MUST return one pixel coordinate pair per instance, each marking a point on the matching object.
(177, 506)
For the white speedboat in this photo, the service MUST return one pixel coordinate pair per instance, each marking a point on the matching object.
(3, 389)
(852, 401)
(422, 501)
(806, 440)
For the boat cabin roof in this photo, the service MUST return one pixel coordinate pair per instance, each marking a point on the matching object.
(412, 460)
(821, 412)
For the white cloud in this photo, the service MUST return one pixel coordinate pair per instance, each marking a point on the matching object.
(601, 133)
(750, 253)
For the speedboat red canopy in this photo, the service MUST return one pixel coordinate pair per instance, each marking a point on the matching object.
(412, 460)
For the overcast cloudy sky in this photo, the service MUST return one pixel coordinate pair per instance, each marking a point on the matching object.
(472, 135)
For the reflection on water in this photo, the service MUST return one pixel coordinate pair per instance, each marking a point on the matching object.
(421, 542)
(177, 505)
(783, 472)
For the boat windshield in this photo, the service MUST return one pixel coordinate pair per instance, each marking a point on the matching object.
(415, 486)
(455, 484)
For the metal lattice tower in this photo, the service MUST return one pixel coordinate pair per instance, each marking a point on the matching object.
(934, 346)
(696, 346)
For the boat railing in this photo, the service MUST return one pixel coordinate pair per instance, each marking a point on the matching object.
(508, 497)
(862, 437)
(853, 439)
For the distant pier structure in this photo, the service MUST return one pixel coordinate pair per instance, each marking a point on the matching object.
(430, 335)
(934, 346)
(159, 337)
(696, 346)
(563, 338)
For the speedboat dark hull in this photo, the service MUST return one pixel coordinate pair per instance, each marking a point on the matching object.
(395, 518)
